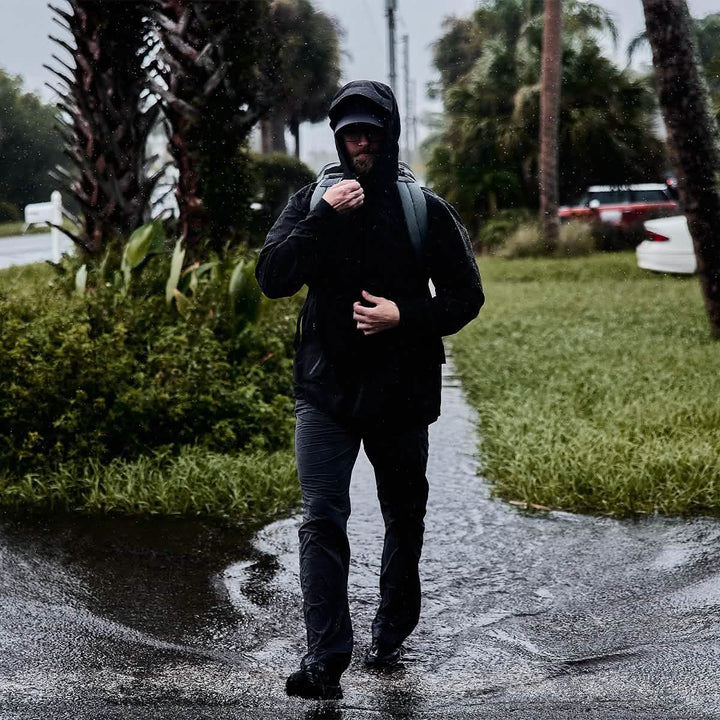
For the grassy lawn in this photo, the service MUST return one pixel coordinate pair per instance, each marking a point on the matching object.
(10, 229)
(596, 385)
(249, 487)
(16, 228)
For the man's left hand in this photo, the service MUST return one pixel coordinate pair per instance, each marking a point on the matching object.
(371, 320)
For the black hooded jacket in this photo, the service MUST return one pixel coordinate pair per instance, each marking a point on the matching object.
(392, 378)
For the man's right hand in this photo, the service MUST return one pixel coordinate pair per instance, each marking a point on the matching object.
(345, 196)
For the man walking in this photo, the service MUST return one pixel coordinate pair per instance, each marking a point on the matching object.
(367, 369)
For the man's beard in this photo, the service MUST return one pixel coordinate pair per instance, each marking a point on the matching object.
(363, 165)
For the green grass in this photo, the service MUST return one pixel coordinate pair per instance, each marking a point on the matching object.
(16, 228)
(8, 229)
(251, 488)
(597, 387)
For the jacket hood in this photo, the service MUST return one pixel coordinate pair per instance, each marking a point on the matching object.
(381, 100)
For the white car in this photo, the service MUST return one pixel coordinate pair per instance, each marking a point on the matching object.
(667, 247)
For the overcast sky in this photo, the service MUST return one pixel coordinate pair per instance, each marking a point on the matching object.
(25, 25)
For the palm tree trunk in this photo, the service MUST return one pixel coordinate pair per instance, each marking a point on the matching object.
(549, 109)
(206, 76)
(272, 132)
(295, 132)
(105, 123)
(692, 132)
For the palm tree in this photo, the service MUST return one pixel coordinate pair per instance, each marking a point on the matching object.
(707, 36)
(549, 122)
(692, 137)
(308, 68)
(706, 33)
(207, 75)
(606, 131)
(487, 155)
(106, 117)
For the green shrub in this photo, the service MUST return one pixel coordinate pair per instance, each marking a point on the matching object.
(496, 230)
(9, 212)
(524, 242)
(109, 369)
(276, 177)
(26, 280)
(575, 239)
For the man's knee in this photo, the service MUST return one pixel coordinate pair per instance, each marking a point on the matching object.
(326, 536)
(327, 510)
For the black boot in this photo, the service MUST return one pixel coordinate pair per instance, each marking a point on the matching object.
(382, 657)
(314, 682)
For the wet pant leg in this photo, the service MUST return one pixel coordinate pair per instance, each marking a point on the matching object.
(326, 453)
(400, 463)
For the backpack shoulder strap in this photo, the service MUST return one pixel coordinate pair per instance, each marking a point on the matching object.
(414, 208)
(411, 196)
(327, 177)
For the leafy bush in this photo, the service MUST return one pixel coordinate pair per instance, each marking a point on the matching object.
(524, 242)
(495, 231)
(9, 212)
(226, 187)
(99, 365)
(576, 238)
(276, 177)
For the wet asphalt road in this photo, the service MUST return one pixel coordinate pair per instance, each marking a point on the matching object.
(525, 616)
(24, 249)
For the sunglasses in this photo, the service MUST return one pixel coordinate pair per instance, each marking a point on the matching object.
(371, 134)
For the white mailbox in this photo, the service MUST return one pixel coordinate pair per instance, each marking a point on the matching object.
(47, 212)
(39, 213)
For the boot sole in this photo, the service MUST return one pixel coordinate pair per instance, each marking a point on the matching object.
(331, 692)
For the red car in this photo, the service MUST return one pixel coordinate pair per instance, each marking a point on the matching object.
(621, 205)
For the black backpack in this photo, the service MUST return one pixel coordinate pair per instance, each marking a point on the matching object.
(411, 196)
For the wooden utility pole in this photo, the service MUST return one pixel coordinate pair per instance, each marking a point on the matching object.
(549, 121)
(390, 8)
(406, 74)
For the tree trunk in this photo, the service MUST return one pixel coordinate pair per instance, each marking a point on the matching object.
(295, 132)
(205, 72)
(692, 132)
(549, 109)
(272, 133)
(492, 204)
(187, 189)
(105, 123)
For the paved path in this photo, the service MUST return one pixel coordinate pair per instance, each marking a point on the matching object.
(525, 616)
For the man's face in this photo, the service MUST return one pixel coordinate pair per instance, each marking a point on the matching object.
(363, 144)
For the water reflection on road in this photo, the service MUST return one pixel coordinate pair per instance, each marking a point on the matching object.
(543, 616)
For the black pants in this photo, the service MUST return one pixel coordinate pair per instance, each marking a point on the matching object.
(326, 452)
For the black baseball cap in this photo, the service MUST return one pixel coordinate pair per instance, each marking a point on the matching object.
(358, 113)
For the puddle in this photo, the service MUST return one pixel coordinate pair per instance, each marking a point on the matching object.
(552, 615)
